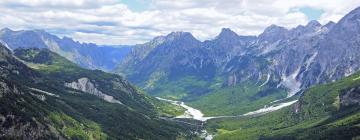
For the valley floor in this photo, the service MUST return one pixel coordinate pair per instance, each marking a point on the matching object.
(196, 114)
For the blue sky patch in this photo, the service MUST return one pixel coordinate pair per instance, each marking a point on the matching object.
(311, 13)
(137, 5)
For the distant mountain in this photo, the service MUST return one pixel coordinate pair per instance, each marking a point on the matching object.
(87, 55)
(45, 96)
(175, 57)
(181, 67)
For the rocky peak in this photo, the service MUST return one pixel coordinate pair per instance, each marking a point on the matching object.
(313, 24)
(274, 29)
(180, 36)
(68, 39)
(310, 28)
(227, 33)
(230, 40)
(330, 24)
(273, 33)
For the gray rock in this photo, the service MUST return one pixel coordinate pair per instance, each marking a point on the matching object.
(350, 97)
(85, 85)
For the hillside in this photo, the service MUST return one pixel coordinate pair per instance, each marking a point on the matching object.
(329, 111)
(57, 99)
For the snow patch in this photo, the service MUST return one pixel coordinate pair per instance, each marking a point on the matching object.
(310, 60)
(357, 78)
(267, 80)
(197, 115)
(349, 71)
(271, 108)
(110, 99)
(45, 92)
(190, 112)
(39, 96)
(291, 83)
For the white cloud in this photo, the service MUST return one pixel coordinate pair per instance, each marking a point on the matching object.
(111, 22)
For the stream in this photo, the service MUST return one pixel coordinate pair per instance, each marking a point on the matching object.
(198, 115)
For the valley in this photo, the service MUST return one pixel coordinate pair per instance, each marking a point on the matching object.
(298, 80)
(198, 115)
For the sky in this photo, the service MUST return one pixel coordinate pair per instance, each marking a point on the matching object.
(114, 22)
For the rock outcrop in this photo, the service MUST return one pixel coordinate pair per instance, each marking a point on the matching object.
(350, 97)
(85, 85)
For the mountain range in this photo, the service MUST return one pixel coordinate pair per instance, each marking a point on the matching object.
(87, 55)
(179, 66)
(56, 88)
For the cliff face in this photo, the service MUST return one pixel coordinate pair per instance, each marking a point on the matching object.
(85, 85)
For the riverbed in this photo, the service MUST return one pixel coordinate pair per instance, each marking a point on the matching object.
(190, 111)
(196, 114)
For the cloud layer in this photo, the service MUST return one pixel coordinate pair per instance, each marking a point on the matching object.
(112, 22)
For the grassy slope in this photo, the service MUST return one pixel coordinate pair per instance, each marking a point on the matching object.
(237, 100)
(319, 117)
(40, 119)
(184, 88)
(135, 120)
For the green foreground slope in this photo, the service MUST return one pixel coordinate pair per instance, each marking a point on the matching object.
(329, 111)
(36, 104)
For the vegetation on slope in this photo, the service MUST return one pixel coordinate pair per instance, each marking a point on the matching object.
(185, 88)
(319, 114)
(54, 111)
(237, 100)
(72, 129)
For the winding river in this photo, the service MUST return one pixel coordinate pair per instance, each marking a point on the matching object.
(198, 115)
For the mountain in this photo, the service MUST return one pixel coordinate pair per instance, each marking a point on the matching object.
(175, 57)
(252, 68)
(45, 96)
(87, 55)
(227, 45)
